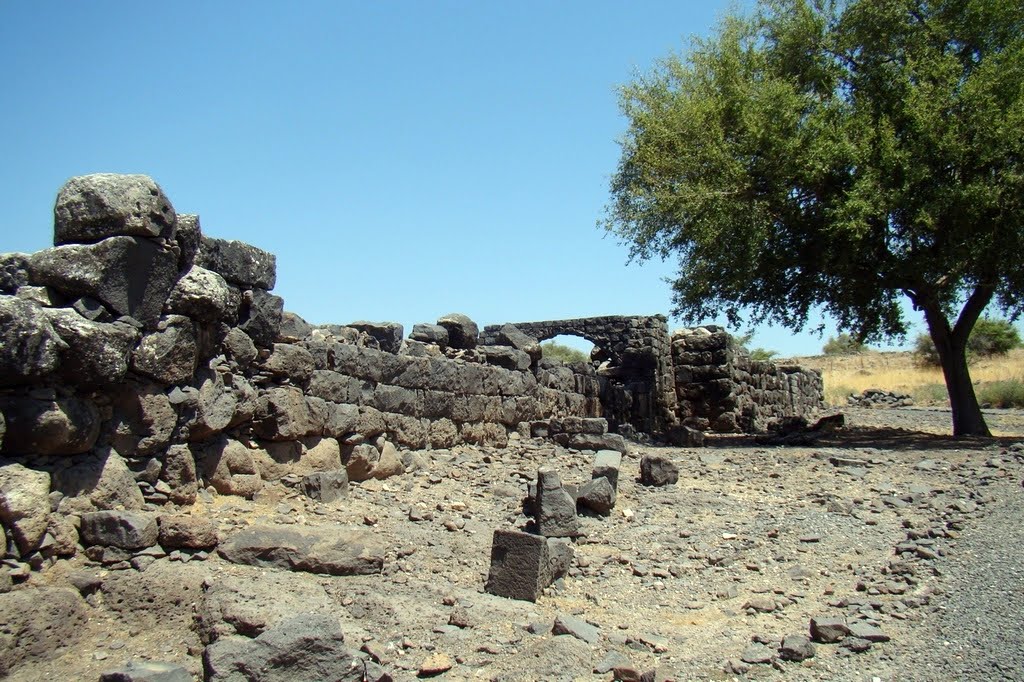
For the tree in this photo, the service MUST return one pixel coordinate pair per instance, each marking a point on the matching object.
(843, 344)
(989, 337)
(837, 156)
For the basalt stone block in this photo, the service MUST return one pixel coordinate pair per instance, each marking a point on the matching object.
(66, 426)
(240, 347)
(93, 207)
(509, 358)
(30, 348)
(188, 532)
(168, 354)
(179, 472)
(24, 505)
(388, 334)
(99, 480)
(131, 275)
(463, 332)
(239, 263)
(597, 495)
(511, 335)
(37, 622)
(520, 565)
(829, 629)
(556, 508)
(289, 361)
(123, 529)
(342, 420)
(656, 470)
(229, 467)
(593, 441)
(685, 436)
(325, 486)
(330, 550)
(283, 413)
(293, 328)
(204, 296)
(607, 464)
(360, 460)
(13, 272)
(96, 353)
(143, 419)
(260, 316)
(188, 236)
(430, 333)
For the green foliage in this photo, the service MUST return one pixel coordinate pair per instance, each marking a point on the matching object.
(561, 353)
(843, 344)
(762, 354)
(989, 337)
(836, 156)
(1008, 393)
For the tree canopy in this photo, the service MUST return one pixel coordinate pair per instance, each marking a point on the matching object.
(837, 156)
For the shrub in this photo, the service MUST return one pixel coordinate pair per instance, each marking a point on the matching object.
(762, 354)
(1007, 393)
(989, 337)
(844, 344)
(560, 353)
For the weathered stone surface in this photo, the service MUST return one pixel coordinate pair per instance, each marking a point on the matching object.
(24, 505)
(341, 420)
(519, 565)
(189, 532)
(462, 331)
(511, 335)
(685, 436)
(656, 470)
(325, 486)
(169, 353)
(204, 296)
(331, 550)
(509, 358)
(66, 426)
(597, 495)
(556, 508)
(93, 207)
(430, 333)
(100, 480)
(338, 388)
(293, 328)
(306, 648)
(282, 413)
(96, 353)
(36, 623)
(387, 334)
(593, 441)
(390, 462)
(607, 464)
(179, 472)
(867, 631)
(13, 272)
(829, 629)
(143, 419)
(30, 348)
(209, 406)
(131, 275)
(260, 316)
(576, 627)
(796, 648)
(188, 236)
(239, 263)
(147, 671)
(560, 658)
(360, 460)
(289, 361)
(124, 529)
(560, 556)
(240, 347)
(228, 466)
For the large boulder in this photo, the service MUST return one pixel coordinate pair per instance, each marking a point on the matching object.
(30, 347)
(556, 508)
(142, 421)
(388, 334)
(13, 272)
(190, 233)
(239, 263)
(429, 333)
(283, 413)
(100, 480)
(24, 505)
(36, 623)
(66, 426)
(229, 467)
(462, 331)
(204, 296)
(260, 316)
(97, 353)
(511, 335)
(130, 275)
(123, 529)
(179, 473)
(289, 361)
(306, 648)
(330, 550)
(169, 353)
(93, 207)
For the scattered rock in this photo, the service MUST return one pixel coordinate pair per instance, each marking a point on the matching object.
(657, 470)
(330, 550)
(577, 627)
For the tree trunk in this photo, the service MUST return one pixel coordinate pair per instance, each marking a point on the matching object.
(952, 349)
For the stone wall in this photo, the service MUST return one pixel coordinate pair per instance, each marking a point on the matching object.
(720, 388)
(637, 388)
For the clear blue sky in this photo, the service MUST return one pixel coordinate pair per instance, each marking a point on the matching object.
(402, 159)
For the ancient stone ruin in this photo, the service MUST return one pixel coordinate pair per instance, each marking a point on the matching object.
(141, 362)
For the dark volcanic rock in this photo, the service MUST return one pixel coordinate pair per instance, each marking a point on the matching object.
(430, 333)
(260, 316)
(330, 550)
(93, 207)
(462, 331)
(66, 426)
(127, 530)
(519, 565)
(239, 263)
(36, 623)
(556, 508)
(656, 470)
(96, 353)
(388, 334)
(30, 347)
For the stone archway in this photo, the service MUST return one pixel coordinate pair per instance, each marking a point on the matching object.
(637, 385)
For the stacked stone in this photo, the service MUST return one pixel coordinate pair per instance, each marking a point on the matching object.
(720, 388)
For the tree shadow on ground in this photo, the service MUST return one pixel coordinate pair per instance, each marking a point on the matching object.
(866, 437)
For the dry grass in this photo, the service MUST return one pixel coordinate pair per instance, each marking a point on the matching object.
(897, 372)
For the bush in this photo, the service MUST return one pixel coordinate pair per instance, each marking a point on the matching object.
(559, 353)
(844, 344)
(1008, 393)
(989, 337)
(762, 354)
